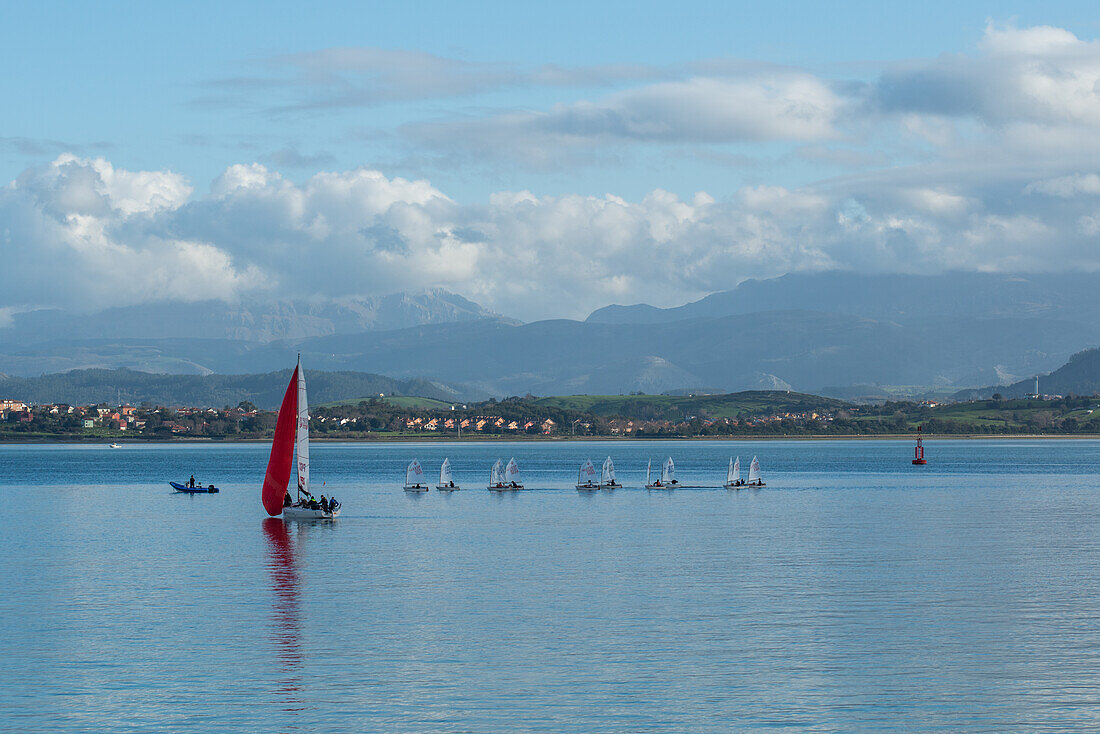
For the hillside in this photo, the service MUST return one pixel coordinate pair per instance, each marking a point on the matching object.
(675, 408)
(83, 387)
(1079, 376)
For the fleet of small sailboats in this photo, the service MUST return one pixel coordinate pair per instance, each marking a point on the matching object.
(292, 437)
(414, 477)
(446, 480)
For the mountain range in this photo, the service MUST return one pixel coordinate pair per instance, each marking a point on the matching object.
(800, 331)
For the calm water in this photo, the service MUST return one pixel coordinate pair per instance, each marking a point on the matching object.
(854, 593)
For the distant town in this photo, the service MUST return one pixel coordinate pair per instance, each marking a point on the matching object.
(755, 413)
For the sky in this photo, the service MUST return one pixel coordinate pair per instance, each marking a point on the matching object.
(541, 160)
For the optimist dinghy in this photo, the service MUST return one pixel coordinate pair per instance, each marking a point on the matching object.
(292, 435)
(414, 478)
(496, 477)
(754, 474)
(733, 475)
(607, 481)
(586, 477)
(446, 481)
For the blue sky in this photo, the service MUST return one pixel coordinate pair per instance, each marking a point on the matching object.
(599, 152)
(128, 80)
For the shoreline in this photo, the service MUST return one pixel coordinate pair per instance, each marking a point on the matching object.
(561, 439)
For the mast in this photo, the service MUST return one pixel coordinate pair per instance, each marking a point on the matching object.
(302, 444)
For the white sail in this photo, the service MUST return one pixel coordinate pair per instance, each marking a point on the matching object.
(587, 473)
(608, 471)
(445, 473)
(648, 467)
(668, 473)
(414, 474)
(511, 473)
(737, 469)
(496, 474)
(754, 470)
(729, 472)
(302, 441)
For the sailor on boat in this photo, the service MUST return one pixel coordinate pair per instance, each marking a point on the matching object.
(754, 474)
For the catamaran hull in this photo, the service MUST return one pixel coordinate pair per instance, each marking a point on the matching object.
(304, 513)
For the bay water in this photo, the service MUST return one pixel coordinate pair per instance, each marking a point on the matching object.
(855, 592)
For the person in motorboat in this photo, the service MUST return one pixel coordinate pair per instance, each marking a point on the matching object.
(191, 482)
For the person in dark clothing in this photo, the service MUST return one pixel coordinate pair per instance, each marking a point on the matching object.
(324, 504)
(287, 501)
(191, 482)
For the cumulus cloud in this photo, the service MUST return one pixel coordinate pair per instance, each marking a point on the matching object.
(82, 233)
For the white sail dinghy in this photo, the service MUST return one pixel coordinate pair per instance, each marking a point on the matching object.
(586, 477)
(754, 475)
(414, 478)
(733, 475)
(446, 480)
(607, 481)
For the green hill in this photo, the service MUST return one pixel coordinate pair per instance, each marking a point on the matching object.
(679, 407)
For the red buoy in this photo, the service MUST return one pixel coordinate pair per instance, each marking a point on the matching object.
(918, 452)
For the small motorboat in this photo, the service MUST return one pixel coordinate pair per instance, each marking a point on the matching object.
(586, 477)
(197, 489)
(114, 445)
(414, 478)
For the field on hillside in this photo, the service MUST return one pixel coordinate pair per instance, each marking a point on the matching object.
(675, 407)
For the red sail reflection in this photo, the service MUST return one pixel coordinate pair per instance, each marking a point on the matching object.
(287, 609)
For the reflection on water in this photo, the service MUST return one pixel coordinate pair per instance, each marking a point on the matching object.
(287, 611)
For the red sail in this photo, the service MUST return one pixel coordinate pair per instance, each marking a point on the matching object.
(282, 450)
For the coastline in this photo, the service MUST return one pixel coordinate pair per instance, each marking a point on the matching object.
(556, 439)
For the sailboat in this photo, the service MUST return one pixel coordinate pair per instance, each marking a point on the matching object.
(654, 484)
(668, 475)
(754, 474)
(586, 477)
(607, 481)
(733, 474)
(511, 475)
(414, 477)
(496, 476)
(446, 481)
(292, 434)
